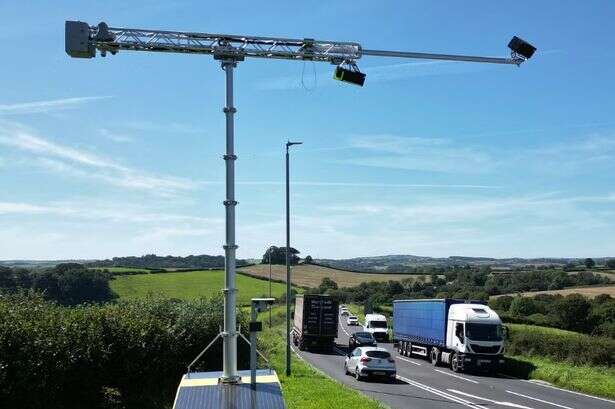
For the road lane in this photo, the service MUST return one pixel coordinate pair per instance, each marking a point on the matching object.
(423, 386)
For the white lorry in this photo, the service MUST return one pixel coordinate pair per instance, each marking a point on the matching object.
(452, 332)
(376, 324)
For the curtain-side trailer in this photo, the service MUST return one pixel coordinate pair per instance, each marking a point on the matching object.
(452, 332)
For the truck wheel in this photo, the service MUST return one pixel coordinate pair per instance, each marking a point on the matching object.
(455, 363)
(301, 344)
(435, 356)
(400, 348)
(409, 349)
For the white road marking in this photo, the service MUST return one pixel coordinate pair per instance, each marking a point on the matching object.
(509, 404)
(540, 400)
(344, 329)
(407, 360)
(548, 385)
(456, 376)
(442, 394)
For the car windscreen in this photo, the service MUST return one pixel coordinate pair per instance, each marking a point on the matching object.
(352, 317)
(363, 335)
(378, 354)
(484, 332)
(377, 324)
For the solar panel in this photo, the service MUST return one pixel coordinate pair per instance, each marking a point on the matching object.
(201, 390)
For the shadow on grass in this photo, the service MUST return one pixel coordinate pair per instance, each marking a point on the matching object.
(518, 368)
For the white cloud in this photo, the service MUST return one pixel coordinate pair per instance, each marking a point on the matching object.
(46, 106)
(76, 162)
(413, 153)
(114, 136)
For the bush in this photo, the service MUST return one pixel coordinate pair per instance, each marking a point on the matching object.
(71, 357)
(578, 349)
(522, 307)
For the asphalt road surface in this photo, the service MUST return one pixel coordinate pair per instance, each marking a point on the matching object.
(422, 386)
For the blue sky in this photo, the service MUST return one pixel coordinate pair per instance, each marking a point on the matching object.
(122, 155)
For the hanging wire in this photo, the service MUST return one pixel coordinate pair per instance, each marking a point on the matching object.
(303, 77)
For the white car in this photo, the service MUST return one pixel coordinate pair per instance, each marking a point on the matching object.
(352, 320)
(364, 362)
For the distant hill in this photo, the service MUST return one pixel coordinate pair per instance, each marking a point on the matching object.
(401, 263)
(153, 261)
(29, 264)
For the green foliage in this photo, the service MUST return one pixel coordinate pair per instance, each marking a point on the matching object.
(277, 255)
(326, 285)
(72, 357)
(610, 263)
(573, 312)
(152, 261)
(589, 263)
(68, 284)
(501, 303)
(560, 345)
(191, 285)
(522, 306)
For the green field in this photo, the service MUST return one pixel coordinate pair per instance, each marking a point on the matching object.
(190, 285)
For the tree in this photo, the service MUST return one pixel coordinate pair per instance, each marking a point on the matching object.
(572, 313)
(522, 307)
(327, 284)
(501, 303)
(278, 255)
(610, 263)
(307, 259)
(589, 263)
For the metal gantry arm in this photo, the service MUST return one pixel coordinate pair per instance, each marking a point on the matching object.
(238, 47)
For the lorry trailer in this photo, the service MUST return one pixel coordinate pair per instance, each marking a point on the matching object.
(465, 335)
(315, 321)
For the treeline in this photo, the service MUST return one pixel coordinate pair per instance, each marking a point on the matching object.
(119, 355)
(460, 283)
(573, 312)
(428, 265)
(67, 284)
(152, 261)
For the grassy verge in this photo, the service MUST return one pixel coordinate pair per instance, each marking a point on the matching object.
(306, 388)
(594, 380)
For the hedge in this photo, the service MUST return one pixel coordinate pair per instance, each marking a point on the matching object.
(126, 355)
(560, 345)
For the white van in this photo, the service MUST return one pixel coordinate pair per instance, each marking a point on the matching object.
(376, 324)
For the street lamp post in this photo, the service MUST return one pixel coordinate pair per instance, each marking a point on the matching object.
(288, 286)
(269, 253)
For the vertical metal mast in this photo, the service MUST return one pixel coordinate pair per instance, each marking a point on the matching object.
(229, 334)
(288, 286)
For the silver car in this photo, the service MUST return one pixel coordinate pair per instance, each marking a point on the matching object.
(364, 362)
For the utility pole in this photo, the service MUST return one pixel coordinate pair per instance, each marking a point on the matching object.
(269, 252)
(288, 284)
(83, 40)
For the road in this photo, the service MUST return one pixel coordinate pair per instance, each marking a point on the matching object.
(422, 386)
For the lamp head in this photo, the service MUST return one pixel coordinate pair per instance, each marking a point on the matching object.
(521, 47)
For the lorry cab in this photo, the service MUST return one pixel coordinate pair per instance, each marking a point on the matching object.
(474, 328)
(377, 325)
